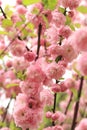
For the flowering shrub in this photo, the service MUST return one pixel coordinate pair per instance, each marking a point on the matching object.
(40, 42)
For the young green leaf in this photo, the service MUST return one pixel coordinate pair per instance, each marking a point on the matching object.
(29, 2)
(49, 4)
(7, 23)
(82, 9)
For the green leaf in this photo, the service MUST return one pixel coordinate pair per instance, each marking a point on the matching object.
(2, 54)
(25, 33)
(21, 75)
(11, 85)
(45, 20)
(77, 25)
(29, 2)
(2, 124)
(50, 4)
(13, 126)
(61, 9)
(19, 24)
(22, 17)
(8, 10)
(35, 11)
(1, 111)
(82, 9)
(72, 26)
(30, 26)
(7, 23)
(68, 20)
(3, 33)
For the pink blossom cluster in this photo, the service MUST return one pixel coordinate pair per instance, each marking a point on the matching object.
(42, 45)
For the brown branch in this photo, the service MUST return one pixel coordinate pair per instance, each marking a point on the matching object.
(6, 110)
(77, 104)
(39, 36)
(54, 107)
(4, 15)
(68, 104)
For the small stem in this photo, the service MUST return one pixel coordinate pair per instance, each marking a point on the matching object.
(68, 104)
(27, 48)
(54, 107)
(65, 12)
(6, 110)
(3, 12)
(39, 36)
(77, 104)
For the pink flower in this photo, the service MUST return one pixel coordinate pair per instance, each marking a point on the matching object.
(54, 50)
(19, 1)
(82, 64)
(12, 87)
(29, 56)
(56, 88)
(48, 15)
(27, 112)
(20, 64)
(8, 63)
(65, 31)
(18, 49)
(21, 9)
(82, 125)
(35, 73)
(69, 3)
(67, 84)
(15, 18)
(56, 18)
(30, 88)
(39, 20)
(55, 116)
(49, 114)
(21, 99)
(46, 96)
(9, 75)
(55, 71)
(68, 53)
(57, 127)
(52, 35)
(79, 39)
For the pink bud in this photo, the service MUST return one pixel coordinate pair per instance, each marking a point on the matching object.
(48, 114)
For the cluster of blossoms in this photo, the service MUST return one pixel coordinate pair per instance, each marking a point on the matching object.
(37, 45)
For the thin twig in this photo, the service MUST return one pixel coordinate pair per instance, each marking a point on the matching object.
(77, 104)
(39, 36)
(54, 105)
(6, 110)
(65, 11)
(68, 104)
(4, 15)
